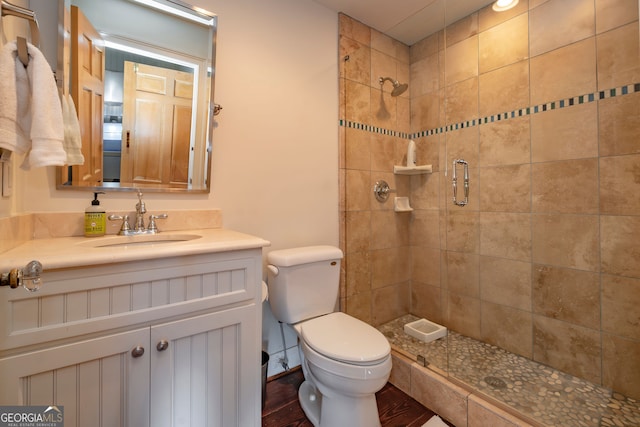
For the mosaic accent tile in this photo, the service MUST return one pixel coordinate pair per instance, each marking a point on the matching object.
(521, 112)
(538, 392)
(373, 129)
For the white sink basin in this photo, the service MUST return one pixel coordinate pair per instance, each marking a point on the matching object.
(139, 240)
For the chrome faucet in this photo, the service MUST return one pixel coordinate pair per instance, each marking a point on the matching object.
(141, 209)
(139, 228)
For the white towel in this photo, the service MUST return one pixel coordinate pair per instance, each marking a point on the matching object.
(72, 136)
(435, 421)
(30, 109)
(13, 135)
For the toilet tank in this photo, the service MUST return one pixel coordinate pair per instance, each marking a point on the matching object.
(303, 282)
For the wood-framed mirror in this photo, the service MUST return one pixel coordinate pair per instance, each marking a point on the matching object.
(141, 75)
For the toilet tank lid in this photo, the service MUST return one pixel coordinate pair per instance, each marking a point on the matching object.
(303, 255)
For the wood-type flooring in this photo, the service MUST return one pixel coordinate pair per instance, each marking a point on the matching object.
(282, 409)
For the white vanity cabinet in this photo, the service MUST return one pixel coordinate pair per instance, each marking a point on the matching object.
(97, 381)
(171, 341)
(198, 380)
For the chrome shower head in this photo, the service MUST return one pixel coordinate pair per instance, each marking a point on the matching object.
(398, 88)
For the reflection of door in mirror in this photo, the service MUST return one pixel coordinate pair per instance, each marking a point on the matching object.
(133, 31)
(87, 89)
(156, 151)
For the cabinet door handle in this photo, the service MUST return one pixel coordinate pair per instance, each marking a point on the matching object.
(162, 345)
(137, 351)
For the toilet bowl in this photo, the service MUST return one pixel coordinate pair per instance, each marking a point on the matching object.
(345, 361)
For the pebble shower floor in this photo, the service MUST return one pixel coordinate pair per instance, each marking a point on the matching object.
(538, 392)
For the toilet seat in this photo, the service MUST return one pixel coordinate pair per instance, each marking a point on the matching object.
(346, 339)
(345, 370)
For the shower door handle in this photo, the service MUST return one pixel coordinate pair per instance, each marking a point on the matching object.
(454, 179)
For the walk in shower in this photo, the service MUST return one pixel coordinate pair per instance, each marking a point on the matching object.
(531, 270)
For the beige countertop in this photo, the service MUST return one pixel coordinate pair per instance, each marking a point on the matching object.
(66, 252)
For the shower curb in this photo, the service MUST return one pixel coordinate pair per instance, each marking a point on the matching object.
(452, 400)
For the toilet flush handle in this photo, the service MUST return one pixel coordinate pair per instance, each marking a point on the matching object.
(273, 269)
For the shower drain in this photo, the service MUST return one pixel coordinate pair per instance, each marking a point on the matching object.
(495, 382)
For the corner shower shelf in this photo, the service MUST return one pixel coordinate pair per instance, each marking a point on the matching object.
(412, 170)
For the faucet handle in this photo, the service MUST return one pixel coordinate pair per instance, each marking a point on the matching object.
(125, 228)
(152, 227)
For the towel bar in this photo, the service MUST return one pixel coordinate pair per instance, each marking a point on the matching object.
(8, 9)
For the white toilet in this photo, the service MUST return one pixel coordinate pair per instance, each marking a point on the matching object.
(344, 360)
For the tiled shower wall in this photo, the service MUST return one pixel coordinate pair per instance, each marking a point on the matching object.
(543, 101)
(373, 138)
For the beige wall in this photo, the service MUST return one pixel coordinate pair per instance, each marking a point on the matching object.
(544, 261)
(275, 171)
(275, 154)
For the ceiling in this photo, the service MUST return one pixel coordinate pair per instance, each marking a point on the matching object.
(408, 21)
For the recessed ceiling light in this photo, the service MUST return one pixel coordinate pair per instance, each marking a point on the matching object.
(502, 5)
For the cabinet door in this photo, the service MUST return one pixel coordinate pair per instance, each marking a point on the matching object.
(98, 381)
(209, 373)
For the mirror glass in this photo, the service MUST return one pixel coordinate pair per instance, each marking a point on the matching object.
(150, 124)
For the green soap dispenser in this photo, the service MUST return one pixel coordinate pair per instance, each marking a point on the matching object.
(95, 218)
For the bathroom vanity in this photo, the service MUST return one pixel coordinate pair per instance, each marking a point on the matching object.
(129, 332)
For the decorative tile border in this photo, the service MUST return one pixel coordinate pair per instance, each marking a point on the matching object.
(373, 129)
(553, 105)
